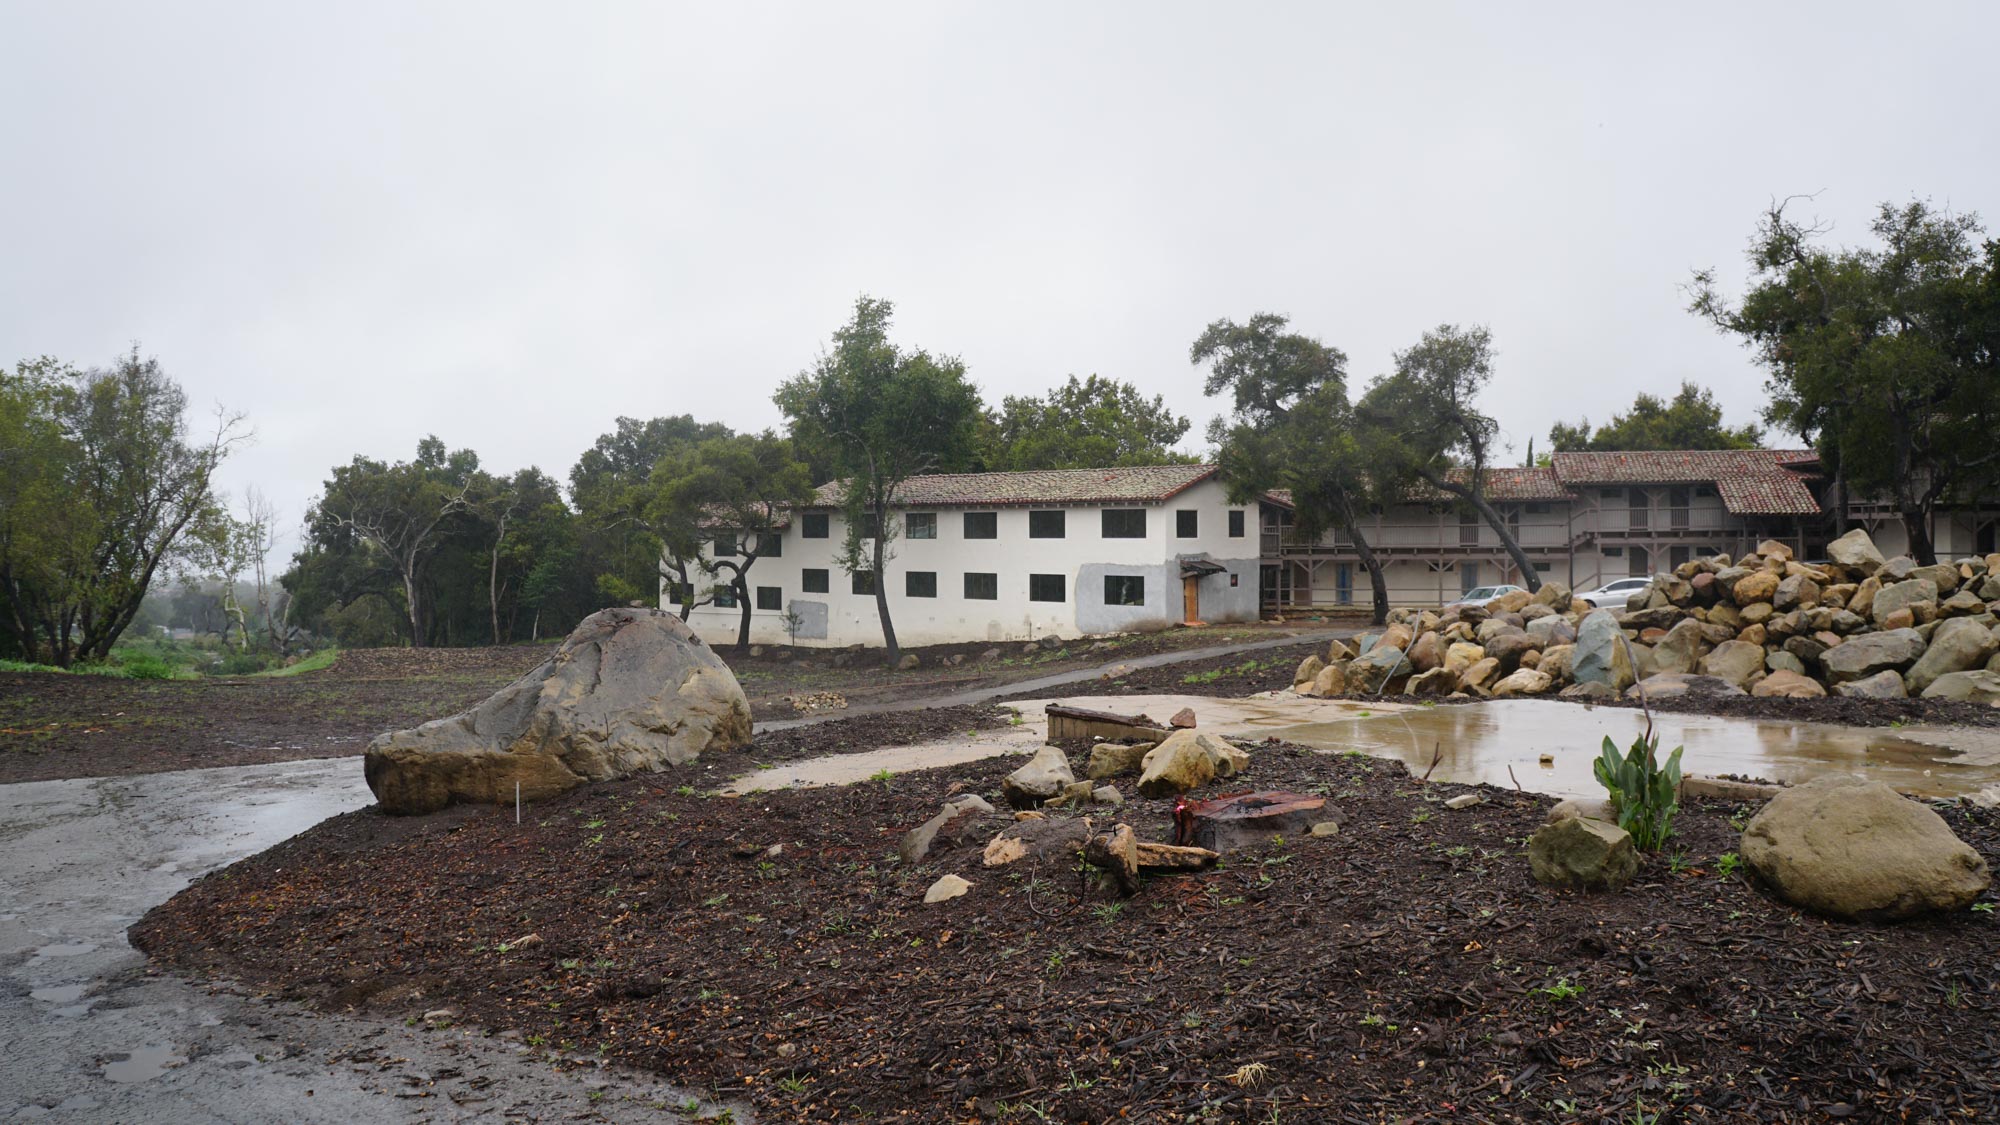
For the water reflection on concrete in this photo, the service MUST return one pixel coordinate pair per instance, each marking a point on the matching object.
(1550, 747)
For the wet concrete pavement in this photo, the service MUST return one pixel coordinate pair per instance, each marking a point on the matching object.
(92, 1035)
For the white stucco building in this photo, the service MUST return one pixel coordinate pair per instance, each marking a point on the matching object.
(1009, 557)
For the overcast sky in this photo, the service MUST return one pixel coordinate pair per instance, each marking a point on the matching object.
(509, 224)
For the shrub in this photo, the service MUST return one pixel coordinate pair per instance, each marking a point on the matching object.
(145, 666)
(1645, 793)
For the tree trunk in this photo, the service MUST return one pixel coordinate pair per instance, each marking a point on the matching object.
(415, 610)
(1376, 579)
(493, 590)
(1499, 525)
(743, 605)
(1917, 525)
(895, 651)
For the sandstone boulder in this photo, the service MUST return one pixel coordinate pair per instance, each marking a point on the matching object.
(629, 691)
(1426, 652)
(1461, 655)
(1308, 668)
(1854, 849)
(1666, 685)
(958, 814)
(1043, 778)
(1526, 681)
(1959, 644)
(1786, 684)
(1437, 681)
(1881, 685)
(1186, 760)
(1795, 592)
(1331, 681)
(1373, 670)
(1868, 654)
(1479, 678)
(1582, 853)
(1907, 594)
(1680, 648)
(1757, 586)
(1736, 661)
(1856, 551)
(1555, 595)
(1982, 686)
(1115, 759)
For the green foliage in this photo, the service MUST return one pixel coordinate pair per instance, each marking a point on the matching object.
(1691, 420)
(1883, 356)
(103, 487)
(1084, 424)
(317, 662)
(1645, 793)
(880, 415)
(1291, 428)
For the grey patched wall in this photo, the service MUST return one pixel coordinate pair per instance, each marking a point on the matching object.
(812, 619)
(1094, 616)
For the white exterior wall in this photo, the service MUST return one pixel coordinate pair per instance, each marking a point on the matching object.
(1083, 557)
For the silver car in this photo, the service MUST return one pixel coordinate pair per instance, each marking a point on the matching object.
(1615, 592)
(1480, 596)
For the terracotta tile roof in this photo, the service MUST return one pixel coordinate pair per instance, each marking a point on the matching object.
(1508, 484)
(1135, 485)
(1752, 482)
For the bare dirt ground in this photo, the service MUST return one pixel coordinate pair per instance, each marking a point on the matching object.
(56, 726)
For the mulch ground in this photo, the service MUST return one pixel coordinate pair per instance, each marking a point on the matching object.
(1409, 968)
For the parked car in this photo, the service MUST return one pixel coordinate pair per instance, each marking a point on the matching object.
(1613, 594)
(1480, 596)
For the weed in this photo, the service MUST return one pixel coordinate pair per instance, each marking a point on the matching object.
(1728, 864)
(1562, 989)
(1982, 908)
(882, 775)
(684, 791)
(1645, 793)
(1420, 817)
(1677, 863)
(792, 1085)
(1108, 912)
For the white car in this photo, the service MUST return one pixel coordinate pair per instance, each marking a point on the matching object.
(1480, 596)
(1613, 594)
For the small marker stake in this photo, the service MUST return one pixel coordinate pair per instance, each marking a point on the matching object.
(517, 802)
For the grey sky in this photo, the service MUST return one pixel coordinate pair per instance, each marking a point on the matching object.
(509, 224)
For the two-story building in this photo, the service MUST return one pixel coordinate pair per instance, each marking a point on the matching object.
(1008, 557)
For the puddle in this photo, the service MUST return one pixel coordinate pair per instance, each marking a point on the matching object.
(142, 1064)
(847, 769)
(61, 949)
(61, 994)
(1479, 742)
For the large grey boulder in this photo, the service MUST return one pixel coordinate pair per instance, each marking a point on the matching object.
(1601, 655)
(1982, 686)
(1856, 849)
(1959, 644)
(1580, 853)
(1856, 550)
(1679, 649)
(630, 691)
(1739, 662)
(1372, 670)
(1903, 595)
(1858, 658)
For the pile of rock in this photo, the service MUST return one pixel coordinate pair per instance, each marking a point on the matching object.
(1765, 625)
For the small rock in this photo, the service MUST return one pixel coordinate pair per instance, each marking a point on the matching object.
(1167, 857)
(1183, 719)
(1115, 759)
(1043, 778)
(1326, 828)
(1582, 853)
(1185, 760)
(525, 941)
(1465, 801)
(1596, 808)
(441, 1015)
(1107, 795)
(908, 662)
(1038, 839)
(947, 887)
(1117, 852)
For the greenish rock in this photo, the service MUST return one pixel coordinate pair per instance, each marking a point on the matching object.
(1580, 853)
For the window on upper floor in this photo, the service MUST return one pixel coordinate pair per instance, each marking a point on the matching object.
(813, 581)
(982, 587)
(1236, 523)
(770, 545)
(770, 597)
(725, 545)
(862, 582)
(1124, 523)
(920, 583)
(1046, 524)
(1187, 524)
(920, 525)
(813, 525)
(982, 525)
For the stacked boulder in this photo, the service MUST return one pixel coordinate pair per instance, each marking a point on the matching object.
(1765, 624)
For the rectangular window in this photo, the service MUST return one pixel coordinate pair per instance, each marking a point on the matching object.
(770, 597)
(920, 584)
(725, 597)
(871, 526)
(1541, 568)
(982, 525)
(1124, 523)
(1468, 529)
(1236, 524)
(1637, 500)
(1618, 552)
(1343, 583)
(1046, 588)
(920, 525)
(1124, 589)
(1046, 525)
(725, 546)
(770, 545)
(813, 526)
(1187, 523)
(1468, 577)
(862, 582)
(982, 587)
(813, 581)
(1538, 509)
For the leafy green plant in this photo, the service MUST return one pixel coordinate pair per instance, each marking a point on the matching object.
(1728, 864)
(1645, 793)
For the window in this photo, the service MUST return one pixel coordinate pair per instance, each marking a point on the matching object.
(982, 587)
(982, 525)
(725, 597)
(871, 526)
(1232, 579)
(1045, 525)
(1124, 589)
(1046, 587)
(1343, 580)
(725, 545)
(814, 526)
(1187, 523)
(1538, 509)
(812, 581)
(1637, 500)
(1124, 523)
(679, 592)
(1541, 568)
(770, 545)
(1614, 552)
(1610, 493)
(1468, 578)
(770, 597)
(1236, 524)
(920, 525)
(1468, 529)
(920, 584)
(863, 582)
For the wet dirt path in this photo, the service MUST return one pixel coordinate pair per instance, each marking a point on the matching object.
(93, 1035)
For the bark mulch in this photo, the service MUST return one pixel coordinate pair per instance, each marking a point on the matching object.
(1407, 968)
